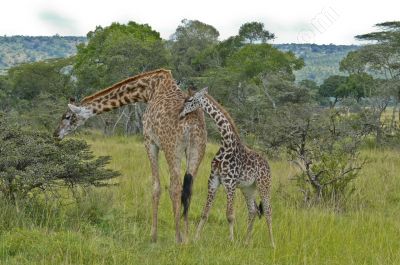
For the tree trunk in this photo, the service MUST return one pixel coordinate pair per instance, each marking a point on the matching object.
(128, 119)
(136, 123)
(393, 121)
(379, 124)
(107, 124)
(397, 100)
(378, 135)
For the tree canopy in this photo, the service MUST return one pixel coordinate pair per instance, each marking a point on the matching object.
(117, 52)
(254, 32)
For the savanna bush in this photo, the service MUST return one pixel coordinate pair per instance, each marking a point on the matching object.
(33, 164)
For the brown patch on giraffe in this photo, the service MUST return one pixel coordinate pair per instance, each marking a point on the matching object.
(130, 89)
(141, 86)
(220, 122)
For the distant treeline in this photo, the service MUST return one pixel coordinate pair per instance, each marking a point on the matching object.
(321, 61)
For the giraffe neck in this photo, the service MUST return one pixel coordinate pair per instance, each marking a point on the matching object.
(139, 88)
(224, 122)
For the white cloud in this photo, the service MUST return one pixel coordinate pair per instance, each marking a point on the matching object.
(291, 21)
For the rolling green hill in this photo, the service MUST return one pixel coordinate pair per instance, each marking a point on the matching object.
(321, 60)
(22, 49)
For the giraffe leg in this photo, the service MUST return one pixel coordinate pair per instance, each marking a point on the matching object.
(249, 194)
(264, 190)
(213, 184)
(230, 196)
(175, 190)
(152, 152)
(194, 156)
(175, 194)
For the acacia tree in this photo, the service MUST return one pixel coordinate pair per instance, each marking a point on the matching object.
(380, 57)
(322, 143)
(29, 80)
(252, 32)
(256, 79)
(30, 90)
(189, 46)
(325, 147)
(114, 53)
(332, 87)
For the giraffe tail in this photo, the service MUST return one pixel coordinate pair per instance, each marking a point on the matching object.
(260, 210)
(186, 192)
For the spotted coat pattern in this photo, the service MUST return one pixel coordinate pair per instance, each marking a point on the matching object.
(163, 129)
(234, 166)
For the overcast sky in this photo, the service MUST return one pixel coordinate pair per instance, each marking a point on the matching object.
(307, 21)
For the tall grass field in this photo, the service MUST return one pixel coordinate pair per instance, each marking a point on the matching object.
(111, 225)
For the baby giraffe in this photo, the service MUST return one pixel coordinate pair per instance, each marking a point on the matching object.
(234, 165)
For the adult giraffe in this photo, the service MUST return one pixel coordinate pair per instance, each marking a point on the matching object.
(162, 129)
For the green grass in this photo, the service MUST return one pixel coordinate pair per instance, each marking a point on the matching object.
(112, 225)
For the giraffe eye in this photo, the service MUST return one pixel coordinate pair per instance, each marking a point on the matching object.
(67, 117)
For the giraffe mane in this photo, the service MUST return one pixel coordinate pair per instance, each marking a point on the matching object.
(119, 84)
(225, 113)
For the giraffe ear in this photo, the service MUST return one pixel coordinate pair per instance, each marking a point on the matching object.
(72, 100)
(204, 91)
(191, 91)
(75, 109)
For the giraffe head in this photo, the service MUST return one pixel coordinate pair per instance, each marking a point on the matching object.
(74, 117)
(194, 102)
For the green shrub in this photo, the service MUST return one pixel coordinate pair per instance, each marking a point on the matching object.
(32, 163)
